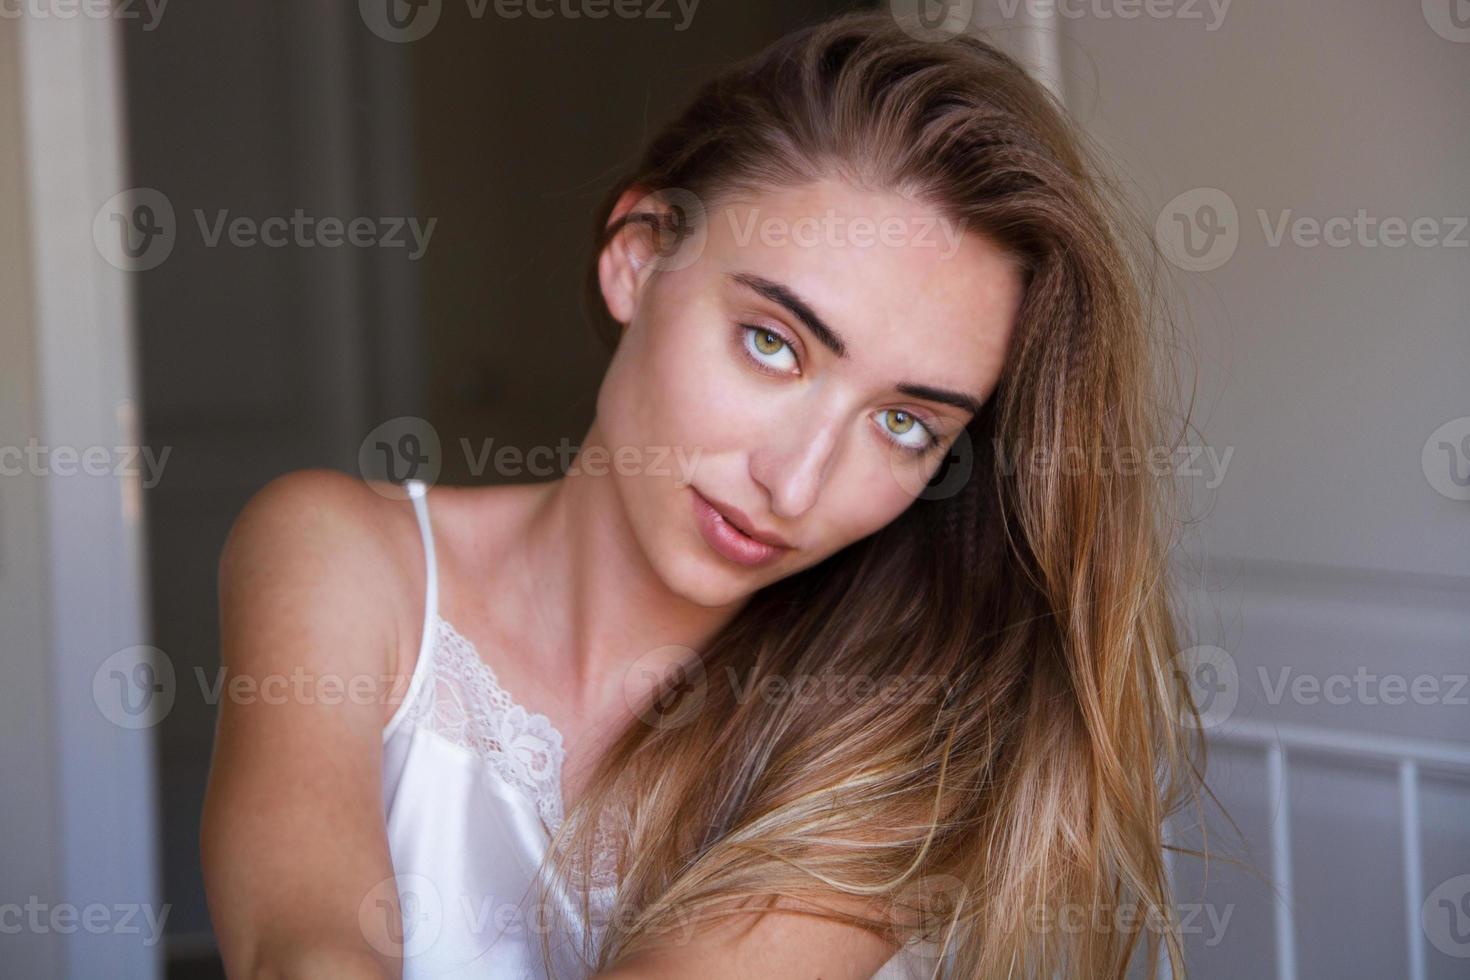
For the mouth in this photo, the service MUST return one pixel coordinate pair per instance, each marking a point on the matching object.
(730, 541)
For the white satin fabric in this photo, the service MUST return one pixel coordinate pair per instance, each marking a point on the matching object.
(472, 792)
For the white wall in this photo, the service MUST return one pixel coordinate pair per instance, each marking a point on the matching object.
(28, 815)
(1329, 545)
(77, 847)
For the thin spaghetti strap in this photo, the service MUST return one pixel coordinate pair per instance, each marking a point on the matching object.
(418, 492)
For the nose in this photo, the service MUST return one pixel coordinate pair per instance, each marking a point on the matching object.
(792, 464)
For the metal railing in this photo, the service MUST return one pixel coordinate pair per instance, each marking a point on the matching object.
(1281, 740)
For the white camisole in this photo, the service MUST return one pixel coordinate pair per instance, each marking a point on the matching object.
(472, 793)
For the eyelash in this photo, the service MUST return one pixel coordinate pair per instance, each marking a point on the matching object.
(924, 423)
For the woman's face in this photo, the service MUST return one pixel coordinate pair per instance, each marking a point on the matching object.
(805, 359)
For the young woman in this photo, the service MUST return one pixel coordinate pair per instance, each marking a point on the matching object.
(844, 647)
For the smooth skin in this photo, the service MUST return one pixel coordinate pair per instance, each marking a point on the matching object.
(592, 579)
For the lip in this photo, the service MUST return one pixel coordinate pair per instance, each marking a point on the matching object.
(728, 540)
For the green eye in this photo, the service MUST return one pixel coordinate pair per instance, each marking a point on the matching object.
(768, 349)
(900, 423)
(767, 342)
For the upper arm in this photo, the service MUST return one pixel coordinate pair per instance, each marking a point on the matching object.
(782, 944)
(293, 836)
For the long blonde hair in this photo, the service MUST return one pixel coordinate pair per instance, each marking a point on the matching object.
(1040, 739)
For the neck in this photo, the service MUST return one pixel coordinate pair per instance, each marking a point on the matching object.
(590, 601)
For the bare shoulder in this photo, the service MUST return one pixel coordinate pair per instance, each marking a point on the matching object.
(316, 500)
(318, 553)
(315, 594)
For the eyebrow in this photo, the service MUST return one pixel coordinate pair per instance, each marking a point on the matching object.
(778, 293)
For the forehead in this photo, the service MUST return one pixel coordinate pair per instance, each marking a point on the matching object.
(909, 289)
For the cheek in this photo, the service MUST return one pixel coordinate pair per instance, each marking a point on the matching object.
(666, 385)
(866, 502)
(678, 382)
(694, 387)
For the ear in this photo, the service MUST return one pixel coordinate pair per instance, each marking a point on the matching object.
(627, 258)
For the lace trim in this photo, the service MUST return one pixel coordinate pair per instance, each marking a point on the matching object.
(463, 702)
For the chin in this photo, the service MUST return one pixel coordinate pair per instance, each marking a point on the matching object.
(704, 579)
(683, 561)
